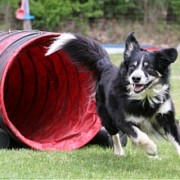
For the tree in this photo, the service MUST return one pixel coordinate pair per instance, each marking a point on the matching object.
(153, 10)
(50, 14)
(173, 11)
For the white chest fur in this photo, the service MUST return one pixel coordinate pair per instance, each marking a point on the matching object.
(165, 107)
(146, 124)
(157, 90)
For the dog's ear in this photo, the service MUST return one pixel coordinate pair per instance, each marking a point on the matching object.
(165, 57)
(130, 45)
(169, 55)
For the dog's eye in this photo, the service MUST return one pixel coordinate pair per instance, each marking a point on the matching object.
(149, 68)
(132, 67)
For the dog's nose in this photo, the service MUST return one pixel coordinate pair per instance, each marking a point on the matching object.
(136, 79)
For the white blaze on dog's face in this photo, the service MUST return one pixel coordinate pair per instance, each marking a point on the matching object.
(146, 70)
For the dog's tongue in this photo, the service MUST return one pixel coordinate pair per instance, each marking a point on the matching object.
(138, 87)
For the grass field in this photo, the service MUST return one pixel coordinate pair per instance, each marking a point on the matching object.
(93, 162)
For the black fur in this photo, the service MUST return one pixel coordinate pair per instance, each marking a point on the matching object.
(104, 139)
(123, 101)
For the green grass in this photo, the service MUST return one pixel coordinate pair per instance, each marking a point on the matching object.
(93, 162)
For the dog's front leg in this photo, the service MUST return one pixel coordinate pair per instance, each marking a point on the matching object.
(141, 139)
(118, 150)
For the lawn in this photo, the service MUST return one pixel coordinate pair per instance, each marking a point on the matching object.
(94, 162)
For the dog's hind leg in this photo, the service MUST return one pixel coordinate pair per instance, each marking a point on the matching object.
(174, 142)
(171, 127)
(118, 150)
(173, 135)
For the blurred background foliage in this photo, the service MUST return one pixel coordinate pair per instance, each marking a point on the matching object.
(88, 15)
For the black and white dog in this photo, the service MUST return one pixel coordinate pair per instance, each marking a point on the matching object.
(133, 98)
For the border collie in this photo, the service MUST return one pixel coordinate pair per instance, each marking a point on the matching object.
(135, 97)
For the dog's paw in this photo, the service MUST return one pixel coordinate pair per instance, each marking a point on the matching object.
(143, 141)
(155, 157)
(120, 153)
(150, 148)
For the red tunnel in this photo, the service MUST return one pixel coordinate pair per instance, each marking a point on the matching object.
(45, 102)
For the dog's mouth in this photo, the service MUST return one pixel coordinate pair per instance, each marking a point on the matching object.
(141, 87)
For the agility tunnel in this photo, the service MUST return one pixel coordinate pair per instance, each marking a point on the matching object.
(45, 101)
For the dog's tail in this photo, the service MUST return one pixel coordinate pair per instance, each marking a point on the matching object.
(83, 50)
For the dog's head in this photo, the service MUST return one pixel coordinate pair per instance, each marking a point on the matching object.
(146, 69)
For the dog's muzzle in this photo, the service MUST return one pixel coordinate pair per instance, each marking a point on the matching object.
(141, 87)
